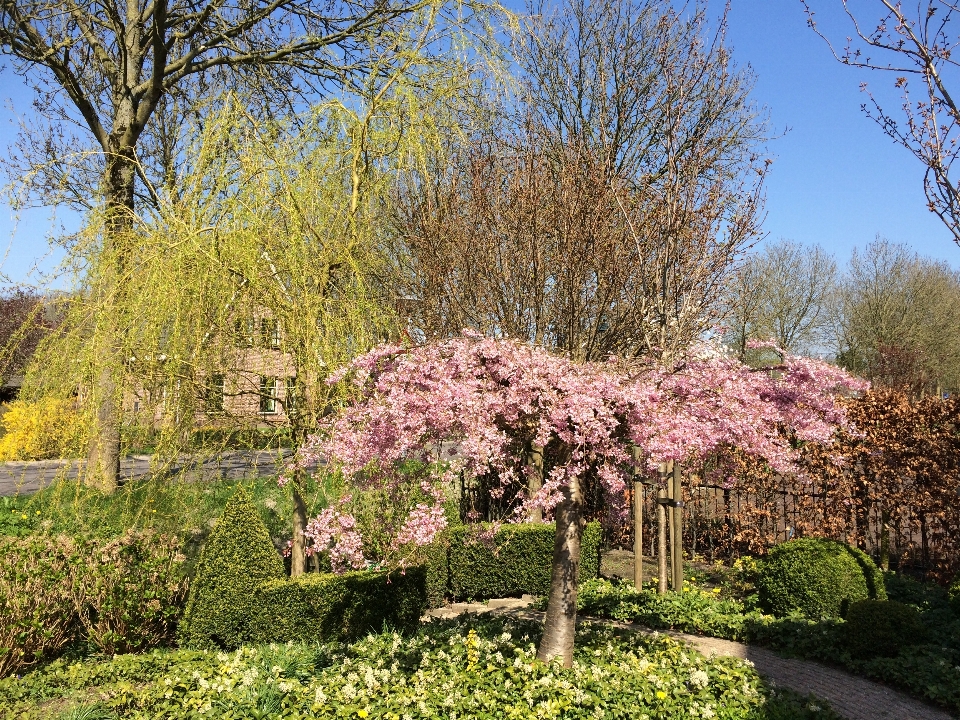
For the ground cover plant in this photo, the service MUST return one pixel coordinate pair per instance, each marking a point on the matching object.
(478, 667)
(927, 667)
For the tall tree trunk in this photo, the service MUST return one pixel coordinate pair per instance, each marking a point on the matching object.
(885, 538)
(103, 452)
(298, 553)
(535, 480)
(298, 433)
(559, 627)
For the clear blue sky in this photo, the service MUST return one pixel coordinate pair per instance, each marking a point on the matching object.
(836, 179)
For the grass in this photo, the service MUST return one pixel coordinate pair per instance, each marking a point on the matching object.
(168, 505)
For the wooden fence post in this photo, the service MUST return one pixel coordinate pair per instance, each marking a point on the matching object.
(676, 540)
(637, 524)
(662, 530)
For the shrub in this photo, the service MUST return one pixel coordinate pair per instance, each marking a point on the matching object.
(518, 560)
(322, 607)
(36, 609)
(129, 591)
(955, 594)
(816, 578)
(236, 559)
(881, 628)
(48, 428)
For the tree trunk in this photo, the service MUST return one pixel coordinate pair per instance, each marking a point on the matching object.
(559, 627)
(885, 539)
(298, 555)
(103, 452)
(535, 480)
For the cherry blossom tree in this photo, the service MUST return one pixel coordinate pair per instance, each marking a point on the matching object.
(493, 397)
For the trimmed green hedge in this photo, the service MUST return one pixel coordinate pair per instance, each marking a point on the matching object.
(237, 558)
(817, 578)
(518, 560)
(882, 628)
(326, 607)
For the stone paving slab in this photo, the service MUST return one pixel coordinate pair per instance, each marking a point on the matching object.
(853, 697)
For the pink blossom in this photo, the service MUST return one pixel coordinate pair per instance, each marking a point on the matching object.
(492, 396)
(335, 533)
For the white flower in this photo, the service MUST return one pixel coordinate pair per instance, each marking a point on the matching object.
(699, 679)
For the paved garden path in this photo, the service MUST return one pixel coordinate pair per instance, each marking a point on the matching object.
(853, 697)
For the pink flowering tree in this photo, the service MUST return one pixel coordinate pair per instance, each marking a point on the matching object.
(487, 399)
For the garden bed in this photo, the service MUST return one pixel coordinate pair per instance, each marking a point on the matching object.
(478, 667)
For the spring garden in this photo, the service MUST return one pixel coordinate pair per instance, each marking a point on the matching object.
(376, 311)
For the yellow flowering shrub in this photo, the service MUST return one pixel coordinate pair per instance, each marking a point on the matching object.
(48, 428)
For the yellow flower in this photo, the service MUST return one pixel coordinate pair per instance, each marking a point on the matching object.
(362, 713)
(661, 695)
(716, 591)
(24, 517)
(38, 512)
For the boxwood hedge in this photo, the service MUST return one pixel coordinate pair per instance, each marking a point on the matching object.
(517, 560)
(322, 607)
(817, 578)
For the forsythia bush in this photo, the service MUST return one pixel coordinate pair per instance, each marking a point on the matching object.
(48, 428)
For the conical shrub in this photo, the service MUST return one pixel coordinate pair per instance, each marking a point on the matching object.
(236, 559)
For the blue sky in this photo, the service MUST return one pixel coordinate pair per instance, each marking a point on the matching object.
(836, 179)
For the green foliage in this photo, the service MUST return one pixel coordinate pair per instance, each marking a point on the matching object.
(326, 607)
(693, 610)
(478, 668)
(954, 594)
(236, 559)
(36, 605)
(816, 578)
(171, 506)
(881, 628)
(129, 591)
(518, 560)
(930, 671)
(110, 595)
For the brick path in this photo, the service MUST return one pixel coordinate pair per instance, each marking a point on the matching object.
(853, 697)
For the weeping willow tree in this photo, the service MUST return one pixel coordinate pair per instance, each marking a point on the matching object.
(263, 273)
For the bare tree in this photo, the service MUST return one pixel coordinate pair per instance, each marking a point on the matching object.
(605, 215)
(899, 319)
(913, 45)
(25, 318)
(107, 66)
(784, 294)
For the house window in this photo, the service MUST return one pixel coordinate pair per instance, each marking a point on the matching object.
(213, 394)
(268, 395)
(290, 399)
(245, 328)
(269, 332)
